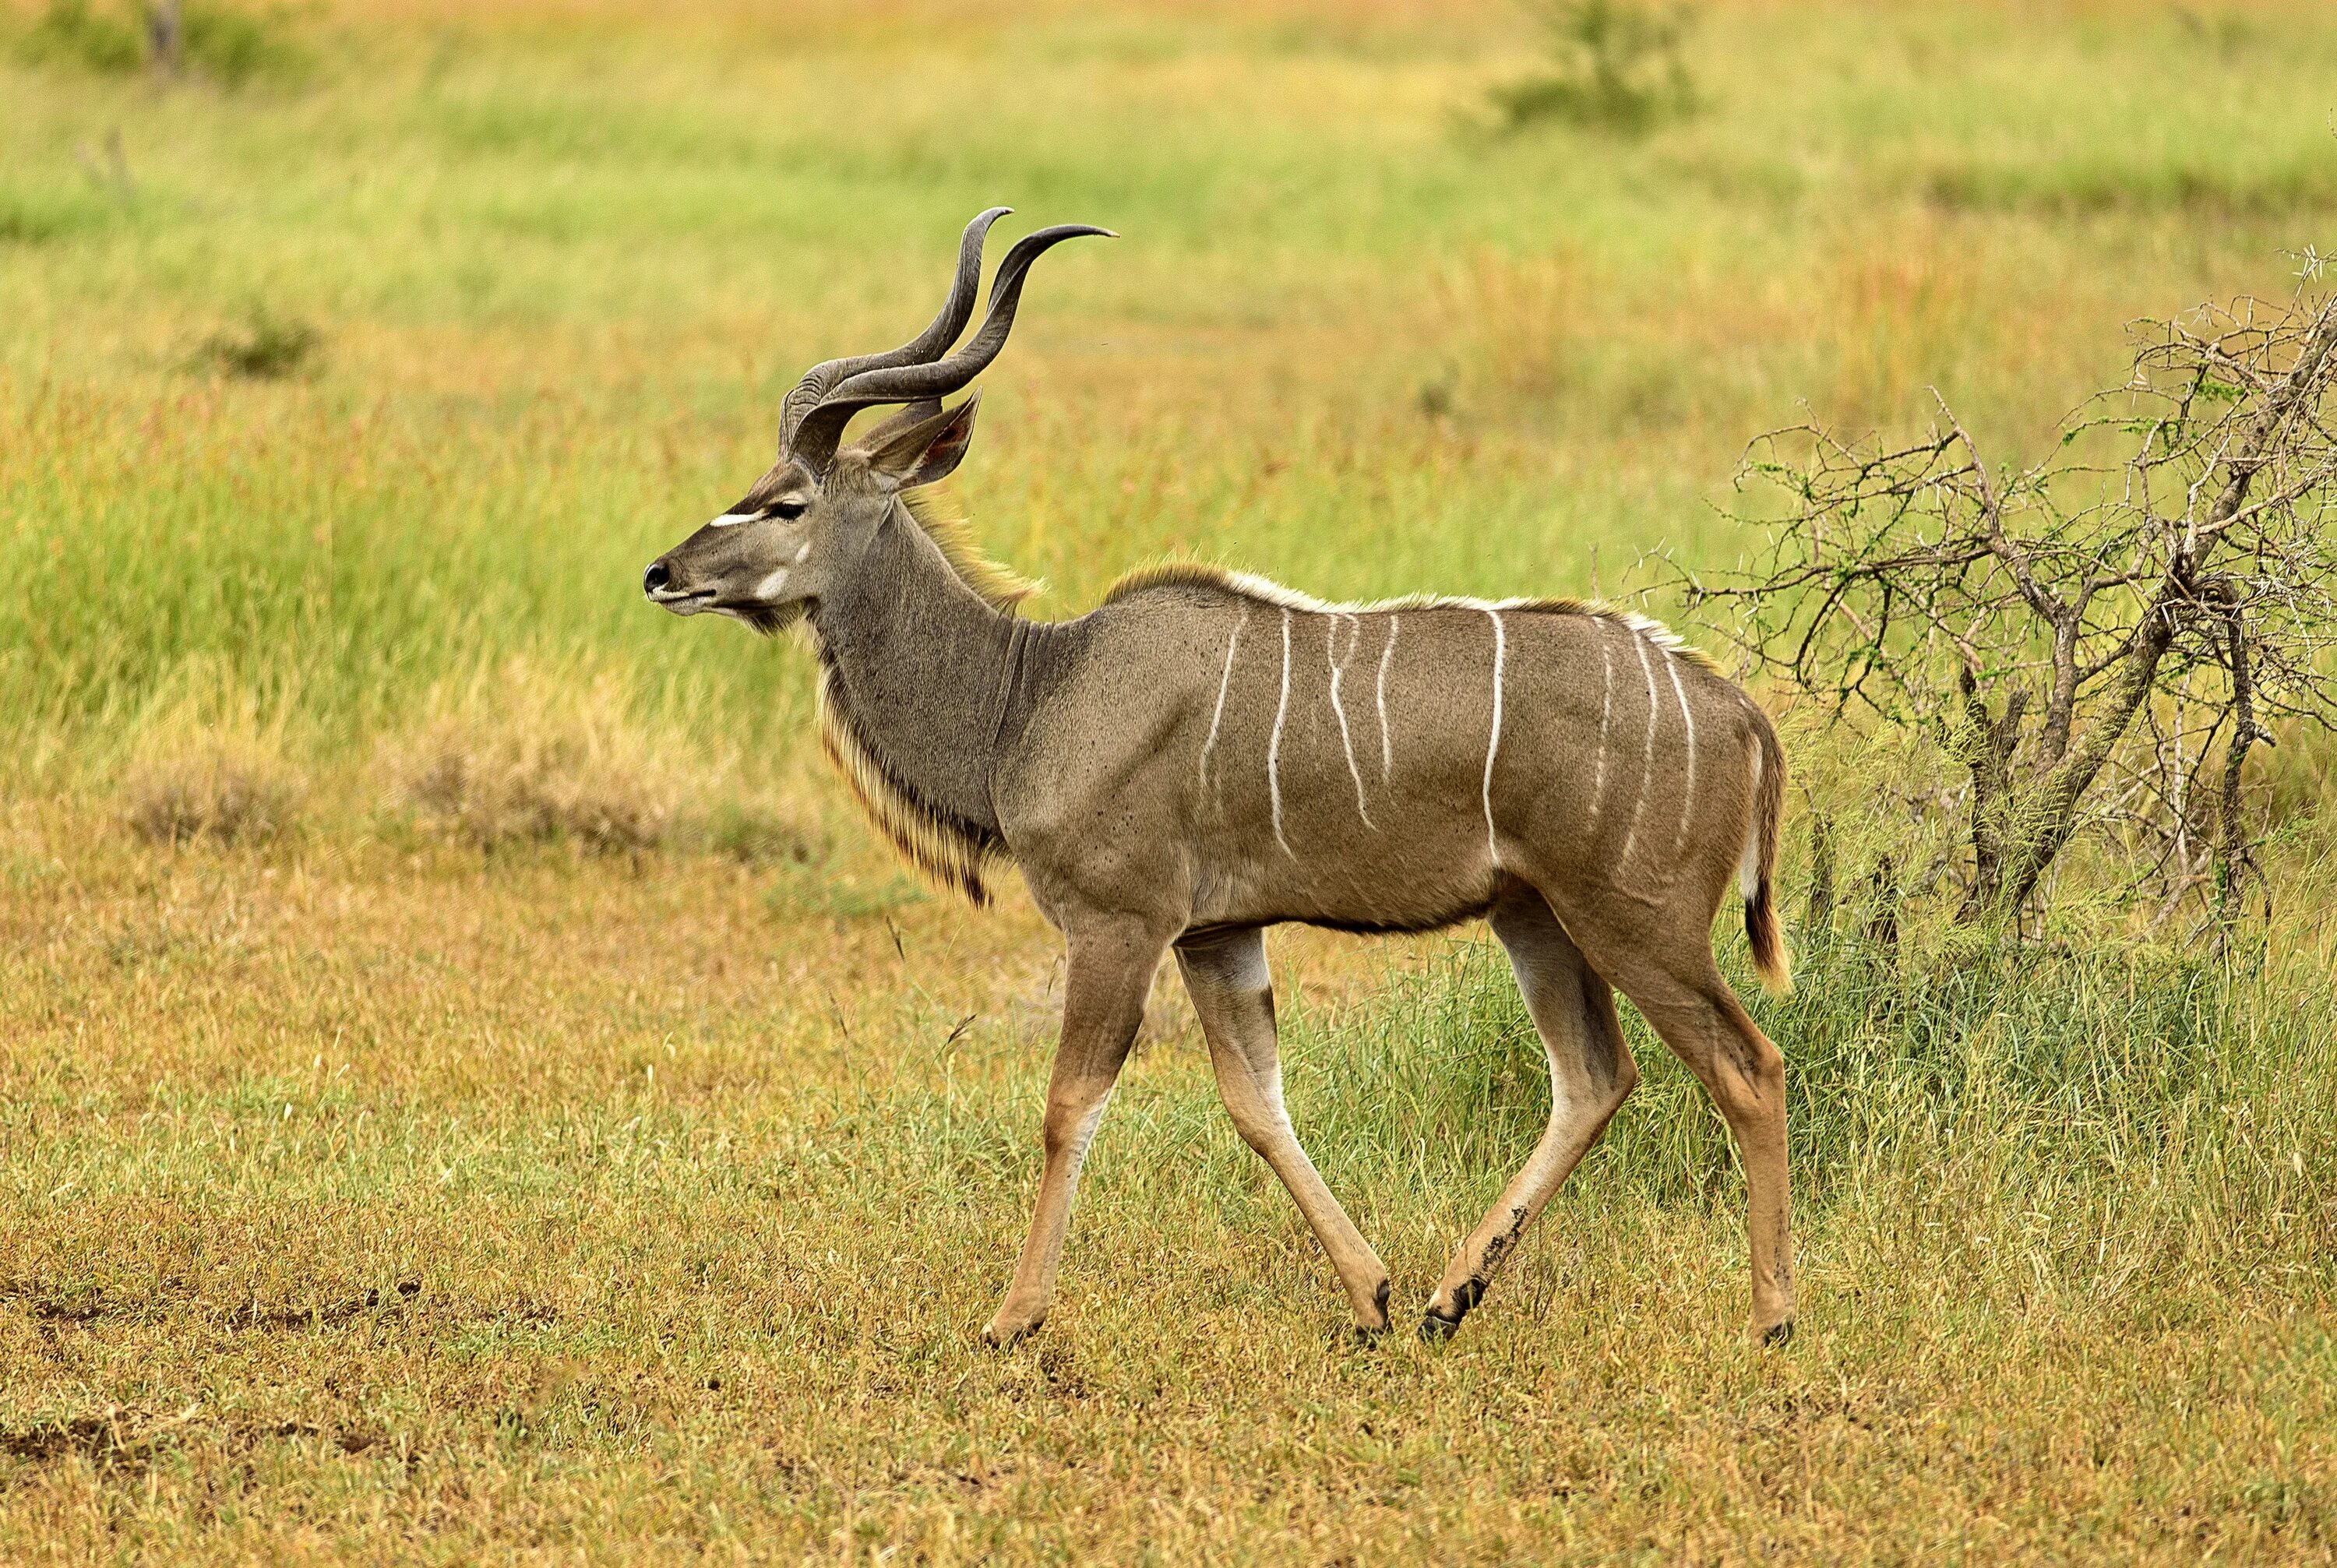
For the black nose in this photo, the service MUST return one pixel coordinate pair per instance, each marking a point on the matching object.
(655, 578)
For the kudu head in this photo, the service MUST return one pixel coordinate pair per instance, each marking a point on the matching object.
(802, 526)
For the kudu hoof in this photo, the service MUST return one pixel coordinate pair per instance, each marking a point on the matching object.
(1439, 1325)
(1435, 1328)
(1000, 1337)
(1776, 1333)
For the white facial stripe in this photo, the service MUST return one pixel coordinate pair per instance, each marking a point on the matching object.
(805, 554)
(767, 590)
(1224, 682)
(1687, 788)
(1606, 715)
(1646, 757)
(1493, 746)
(1387, 746)
(1338, 668)
(1274, 747)
(732, 519)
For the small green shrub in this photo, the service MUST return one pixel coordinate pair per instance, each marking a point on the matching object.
(39, 217)
(268, 347)
(70, 33)
(236, 48)
(804, 891)
(231, 47)
(1615, 66)
(752, 835)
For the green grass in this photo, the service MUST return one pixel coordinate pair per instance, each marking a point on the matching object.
(556, 1131)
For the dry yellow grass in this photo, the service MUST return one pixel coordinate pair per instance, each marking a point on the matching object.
(375, 1207)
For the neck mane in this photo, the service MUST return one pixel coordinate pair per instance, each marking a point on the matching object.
(915, 659)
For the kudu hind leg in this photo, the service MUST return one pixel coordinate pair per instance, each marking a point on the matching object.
(1590, 1074)
(1705, 1025)
(1105, 985)
(1233, 994)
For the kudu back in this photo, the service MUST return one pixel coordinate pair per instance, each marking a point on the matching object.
(1207, 754)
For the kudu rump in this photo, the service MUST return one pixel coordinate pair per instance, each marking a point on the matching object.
(1206, 754)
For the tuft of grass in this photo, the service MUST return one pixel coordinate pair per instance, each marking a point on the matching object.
(212, 791)
(206, 764)
(524, 758)
(266, 348)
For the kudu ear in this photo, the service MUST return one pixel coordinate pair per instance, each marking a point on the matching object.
(904, 452)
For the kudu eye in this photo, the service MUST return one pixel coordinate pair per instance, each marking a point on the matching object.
(784, 511)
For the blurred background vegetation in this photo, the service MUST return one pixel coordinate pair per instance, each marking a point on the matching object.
(367, 352)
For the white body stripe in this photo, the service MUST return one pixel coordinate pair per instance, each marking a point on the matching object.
(1224, 682)
(1274, 747)
(1493, 745)
(1387, 746)
(1646, 758)
(1339, 669)
(1688, 786)
(1606, 718)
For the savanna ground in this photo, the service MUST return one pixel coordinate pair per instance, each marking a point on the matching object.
(470, 1090)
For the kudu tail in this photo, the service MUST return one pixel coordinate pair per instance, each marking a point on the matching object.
(1756, 871)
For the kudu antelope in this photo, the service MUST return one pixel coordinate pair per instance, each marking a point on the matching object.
(1206, 754)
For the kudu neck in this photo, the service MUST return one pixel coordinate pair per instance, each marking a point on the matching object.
(919, 665)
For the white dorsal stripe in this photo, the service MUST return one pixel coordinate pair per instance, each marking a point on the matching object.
(1606, 719)
(1493, 745)
(1687, 786)
(1249, 585)
(1387, 744)
(1274, 747)
(1647, 759)
(1224, 681)
(1338, 669)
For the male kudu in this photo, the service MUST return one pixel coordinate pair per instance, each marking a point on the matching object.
(1206, 754)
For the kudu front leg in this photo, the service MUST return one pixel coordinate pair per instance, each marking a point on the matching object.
(1233, 994)
(1105, 984)
(1591, 1073)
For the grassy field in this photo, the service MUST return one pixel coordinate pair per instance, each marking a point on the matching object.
(471, 1089)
